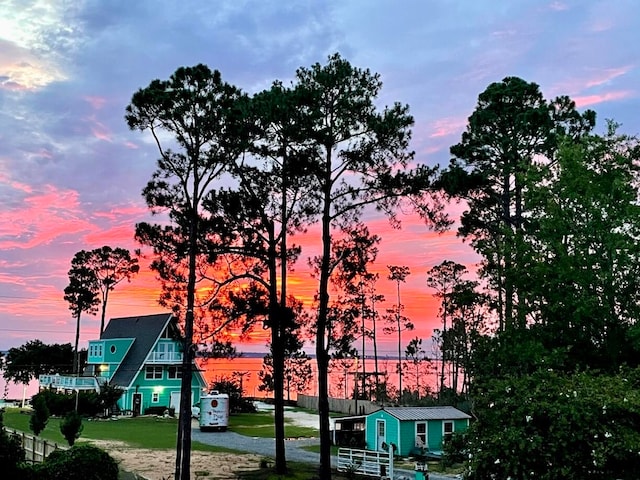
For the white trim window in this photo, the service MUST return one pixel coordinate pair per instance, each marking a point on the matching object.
(448, 427)
(174, 372)
(155, 397)
(153, 373)
(421, 434)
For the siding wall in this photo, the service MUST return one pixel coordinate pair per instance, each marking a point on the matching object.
(392, 427)
(403, 434)
(164, 387)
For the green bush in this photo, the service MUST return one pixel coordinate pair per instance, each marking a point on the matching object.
(550, 425)
(71, 427)
(81, 462)
(39, 416)
(160, 411)
(455, 449)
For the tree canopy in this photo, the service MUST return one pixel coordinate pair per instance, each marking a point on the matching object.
(34, 358)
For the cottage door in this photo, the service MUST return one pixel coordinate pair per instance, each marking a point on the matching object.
(137, 404)
(380, 434)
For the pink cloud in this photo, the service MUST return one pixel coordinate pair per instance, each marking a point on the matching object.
(101, 133)
(607, 75)
(447, 126)
(96, 102)
(116, 236)
(586, 100)
(47, 214)
(22, 187)
(124, 211)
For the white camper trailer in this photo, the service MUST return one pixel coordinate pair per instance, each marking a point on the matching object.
(214, 411)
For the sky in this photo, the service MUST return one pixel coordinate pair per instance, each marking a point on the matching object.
(71, 172)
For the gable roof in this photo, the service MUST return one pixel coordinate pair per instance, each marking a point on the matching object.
(145, 331)
(426, 413)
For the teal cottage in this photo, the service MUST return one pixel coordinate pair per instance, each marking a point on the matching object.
(143, 356)
(413, 429)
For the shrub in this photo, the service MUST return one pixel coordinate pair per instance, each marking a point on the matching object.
(89, 402)
(455, 449)
(39, 416)
(160, 411)
(550, 425)
(71, 427)
(81, 462)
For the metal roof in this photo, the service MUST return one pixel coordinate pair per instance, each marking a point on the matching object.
(426, 413)
(145, 330)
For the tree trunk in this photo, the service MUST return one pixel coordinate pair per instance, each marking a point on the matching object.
(277, 321)
(183, 448)
(322, 356)
(104, 310)
(76, 357)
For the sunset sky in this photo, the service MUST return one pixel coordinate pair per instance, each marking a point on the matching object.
(71, 173)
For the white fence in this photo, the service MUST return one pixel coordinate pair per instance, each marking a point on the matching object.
(366, 462)
(348, 406)
(36, 449)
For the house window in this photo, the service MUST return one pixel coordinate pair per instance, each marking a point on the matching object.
(447, 429)
(421, 434)
(112, 349)
(174, 372)
(95, 350)
(155, 397)
(153, 373)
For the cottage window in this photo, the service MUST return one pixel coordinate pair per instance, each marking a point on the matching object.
(447, 429)
(153, 373)
(421, 434)
(155, 397)
(174, 372)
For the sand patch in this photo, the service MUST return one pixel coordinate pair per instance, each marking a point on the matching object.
(154, 464)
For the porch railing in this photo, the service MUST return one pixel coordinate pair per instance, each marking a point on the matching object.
(164, 357)
(366, 462)
(70, 382)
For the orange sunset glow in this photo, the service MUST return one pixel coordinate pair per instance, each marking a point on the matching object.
(71, 172)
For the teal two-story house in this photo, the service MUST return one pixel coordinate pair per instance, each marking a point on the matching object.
(413, 430)
(143, 356)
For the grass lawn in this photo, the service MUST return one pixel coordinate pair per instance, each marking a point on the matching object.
(261, 425)
(140, 432)
(152, 432)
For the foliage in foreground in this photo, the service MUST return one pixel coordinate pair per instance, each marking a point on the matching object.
(11, 452)
(81, 462)
(550, 426)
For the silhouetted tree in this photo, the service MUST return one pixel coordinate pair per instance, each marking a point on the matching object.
(34, 358)
(110, 267)
(398, 322)
(82, 296)
(361, 159)
(199, 111)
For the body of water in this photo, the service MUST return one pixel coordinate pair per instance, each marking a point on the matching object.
(342, 376)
